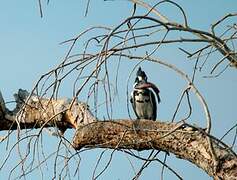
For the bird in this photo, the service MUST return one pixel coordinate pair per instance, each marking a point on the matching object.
(143, 98)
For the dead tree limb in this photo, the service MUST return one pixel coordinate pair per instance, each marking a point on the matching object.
(33, 111)
(186, 143)
(183, 140)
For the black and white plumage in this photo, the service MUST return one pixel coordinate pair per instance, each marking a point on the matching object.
(142, 97)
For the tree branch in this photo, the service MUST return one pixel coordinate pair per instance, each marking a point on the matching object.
(183, 140)
(33, 111)
(186, 143)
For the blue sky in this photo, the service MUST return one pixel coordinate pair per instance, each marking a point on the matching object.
(30, 46)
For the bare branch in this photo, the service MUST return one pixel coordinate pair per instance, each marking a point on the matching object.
(189, 144)
(35, 112)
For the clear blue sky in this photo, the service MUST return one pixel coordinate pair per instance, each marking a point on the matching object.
(29, 47)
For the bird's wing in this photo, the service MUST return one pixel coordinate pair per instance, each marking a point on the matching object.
(158, 97)
(156, 90)
(153, 101)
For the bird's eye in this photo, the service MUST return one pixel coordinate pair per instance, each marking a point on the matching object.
(136, 80)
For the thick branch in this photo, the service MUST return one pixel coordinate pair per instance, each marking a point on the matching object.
(177, 138)
(33, 111)
(186, 143)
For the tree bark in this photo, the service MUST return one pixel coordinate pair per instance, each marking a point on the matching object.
(33, 111)
(186, 143)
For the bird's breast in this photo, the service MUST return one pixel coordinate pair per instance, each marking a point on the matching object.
(142, 95)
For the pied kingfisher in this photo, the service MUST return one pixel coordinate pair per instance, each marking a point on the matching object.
(143, 99)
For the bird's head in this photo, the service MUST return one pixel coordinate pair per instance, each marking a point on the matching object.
(141, 76)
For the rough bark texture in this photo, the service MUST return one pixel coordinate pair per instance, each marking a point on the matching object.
(34, 112)
(186, 143)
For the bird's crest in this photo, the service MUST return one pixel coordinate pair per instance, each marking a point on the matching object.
(141, 75)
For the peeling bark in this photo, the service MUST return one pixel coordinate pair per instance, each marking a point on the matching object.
(34, 112)
(186, 143)
(181, 139)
